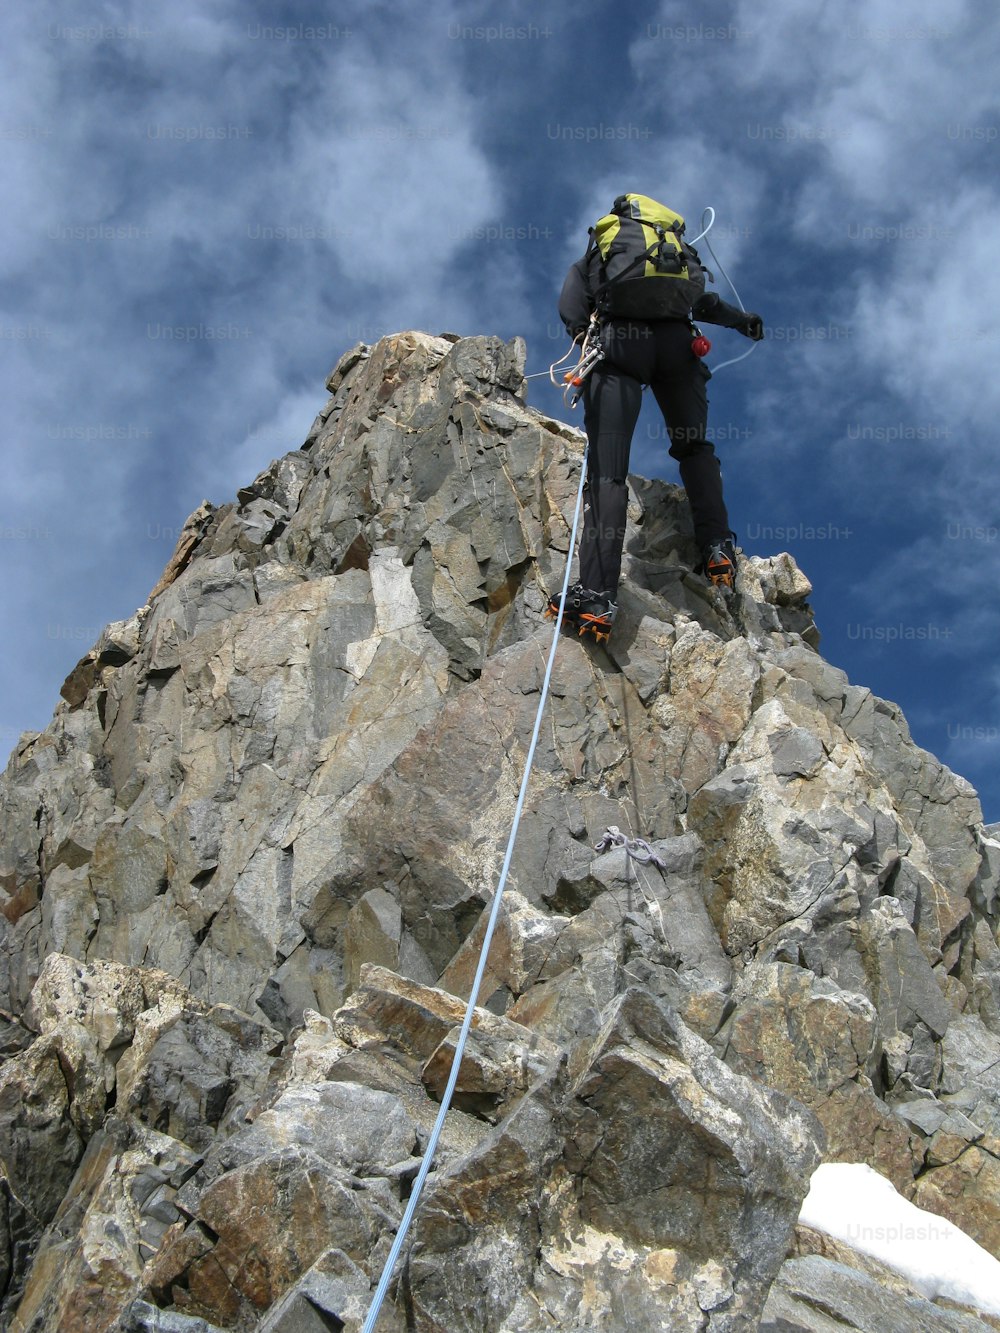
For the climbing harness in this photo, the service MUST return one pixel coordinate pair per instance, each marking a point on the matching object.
(425, 1165)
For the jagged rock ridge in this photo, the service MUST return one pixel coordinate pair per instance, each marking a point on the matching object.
(244, 873)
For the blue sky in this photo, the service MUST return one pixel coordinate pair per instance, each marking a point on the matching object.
(207, 203)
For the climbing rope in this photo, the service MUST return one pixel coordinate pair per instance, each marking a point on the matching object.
(551, 372)
(456, 1062)
(703, 235)
(706, 227)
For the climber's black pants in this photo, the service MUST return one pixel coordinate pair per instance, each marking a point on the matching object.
(658, 354)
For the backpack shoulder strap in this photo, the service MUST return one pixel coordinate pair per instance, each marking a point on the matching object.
(639, 259)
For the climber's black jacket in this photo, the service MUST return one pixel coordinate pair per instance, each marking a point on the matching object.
(576, 302)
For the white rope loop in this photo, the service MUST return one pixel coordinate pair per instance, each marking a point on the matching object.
(718, 264)
(425, 1165)
(705, 230)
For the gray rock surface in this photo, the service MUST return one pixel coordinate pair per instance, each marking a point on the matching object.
(819, 1295)
(245, 874)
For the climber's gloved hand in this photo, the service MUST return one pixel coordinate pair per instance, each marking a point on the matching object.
(752, 326)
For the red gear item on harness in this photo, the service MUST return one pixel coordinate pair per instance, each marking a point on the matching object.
(700, 345)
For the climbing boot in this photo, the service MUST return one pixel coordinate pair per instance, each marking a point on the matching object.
(589, 612)
(719, 562)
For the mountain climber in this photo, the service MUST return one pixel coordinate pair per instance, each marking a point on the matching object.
(638, 351)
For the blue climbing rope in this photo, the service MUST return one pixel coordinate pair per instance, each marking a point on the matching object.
(425, 1165)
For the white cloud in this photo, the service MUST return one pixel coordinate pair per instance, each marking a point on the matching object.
(933, 313)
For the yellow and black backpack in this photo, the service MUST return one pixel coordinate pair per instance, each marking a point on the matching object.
(647, 269)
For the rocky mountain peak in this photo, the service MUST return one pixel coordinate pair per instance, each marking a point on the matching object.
(244, 874)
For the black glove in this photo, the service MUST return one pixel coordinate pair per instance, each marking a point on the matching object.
(752, 326)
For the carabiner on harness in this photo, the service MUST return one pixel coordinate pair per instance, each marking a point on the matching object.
(591, 352)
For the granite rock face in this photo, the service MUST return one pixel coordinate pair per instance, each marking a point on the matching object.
(244, 878)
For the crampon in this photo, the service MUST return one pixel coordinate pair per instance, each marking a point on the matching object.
(598, 626)
(720, 565)
(586, 611)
